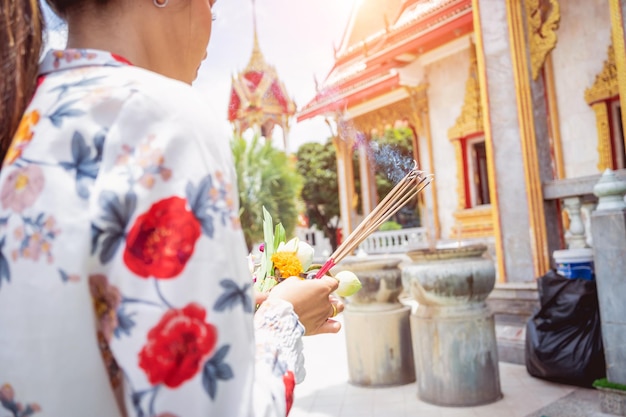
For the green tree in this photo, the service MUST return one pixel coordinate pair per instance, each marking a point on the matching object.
(393, 156)
(266, 177)
(317, 164)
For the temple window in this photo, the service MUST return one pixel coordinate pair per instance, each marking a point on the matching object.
(477, 171)
(473, 217)
(603, 97)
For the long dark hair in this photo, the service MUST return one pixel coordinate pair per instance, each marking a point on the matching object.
(21, 39)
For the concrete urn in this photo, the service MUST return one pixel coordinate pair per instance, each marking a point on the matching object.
(376, 324)
(453, 332)
(449, 277)
(380, 279)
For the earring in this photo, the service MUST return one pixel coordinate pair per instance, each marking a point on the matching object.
(160, 5)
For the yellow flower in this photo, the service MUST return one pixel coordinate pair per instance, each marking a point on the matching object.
(287, 264)
(22, 136)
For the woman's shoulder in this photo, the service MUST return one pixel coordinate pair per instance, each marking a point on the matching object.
(171, 96)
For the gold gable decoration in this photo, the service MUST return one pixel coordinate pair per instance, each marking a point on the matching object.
(385, 117)
(471, 119)
(605, 85)
(543, 18)
(409, 108)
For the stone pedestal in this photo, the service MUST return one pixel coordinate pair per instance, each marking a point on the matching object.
(377, 329)
(453, 331)
(608, 226)
(456, 356)
(379, 345)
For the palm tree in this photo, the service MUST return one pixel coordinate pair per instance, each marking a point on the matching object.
(266, 177)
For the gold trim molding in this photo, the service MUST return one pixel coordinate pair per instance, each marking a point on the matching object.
(474, 222)
(471, 119)
(605, 86)
(553, 112)
(617, 25)
(491, 166)
(605, 158)
(460, 174)
(536, 210)
(542, 19)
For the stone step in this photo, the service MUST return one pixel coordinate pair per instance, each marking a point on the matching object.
(512, 305)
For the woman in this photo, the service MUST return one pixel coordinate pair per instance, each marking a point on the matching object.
(123, 283)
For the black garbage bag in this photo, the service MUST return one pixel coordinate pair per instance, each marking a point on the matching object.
(564, 337)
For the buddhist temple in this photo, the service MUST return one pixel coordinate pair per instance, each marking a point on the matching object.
(516, 109)
(258, 98)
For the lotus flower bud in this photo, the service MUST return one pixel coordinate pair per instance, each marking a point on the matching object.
(349, 283)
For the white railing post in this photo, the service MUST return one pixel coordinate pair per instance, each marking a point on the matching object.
(575, 235)
(587, 208)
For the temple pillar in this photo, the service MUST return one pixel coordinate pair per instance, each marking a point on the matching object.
(369, 195)
(618, 28)
(420, 118)
(510, 60)
(345, 174)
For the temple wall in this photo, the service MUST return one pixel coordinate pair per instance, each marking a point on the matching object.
(583, 38)
(446, 92)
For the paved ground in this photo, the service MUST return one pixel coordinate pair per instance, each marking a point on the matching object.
(326, 391)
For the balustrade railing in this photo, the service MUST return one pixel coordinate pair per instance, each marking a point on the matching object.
(395, 241)
(578, 202)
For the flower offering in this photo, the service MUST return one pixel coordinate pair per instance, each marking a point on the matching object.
(281, 259)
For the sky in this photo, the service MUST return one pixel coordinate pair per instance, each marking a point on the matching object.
(297, 37)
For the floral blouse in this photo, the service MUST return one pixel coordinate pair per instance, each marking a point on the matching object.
(124, 286)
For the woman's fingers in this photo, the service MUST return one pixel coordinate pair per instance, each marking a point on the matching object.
(328, 326)
(336, 305)
(259, 297)
(311, 300)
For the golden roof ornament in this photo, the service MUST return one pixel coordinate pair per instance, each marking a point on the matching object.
(258, 98)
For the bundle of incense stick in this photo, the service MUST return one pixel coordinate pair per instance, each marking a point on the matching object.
(407, 188)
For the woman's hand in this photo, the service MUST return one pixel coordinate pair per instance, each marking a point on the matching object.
(259, 297)
(312, 302)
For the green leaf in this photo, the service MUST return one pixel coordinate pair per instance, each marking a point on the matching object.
(268, 236)
(279, 236)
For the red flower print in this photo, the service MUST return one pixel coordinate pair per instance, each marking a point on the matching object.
(290, 382)
(162, 240)
(177, 345)
(106, 299)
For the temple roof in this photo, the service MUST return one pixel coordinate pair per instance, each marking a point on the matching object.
(369, 19)
(258, 97)
(381, 38)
